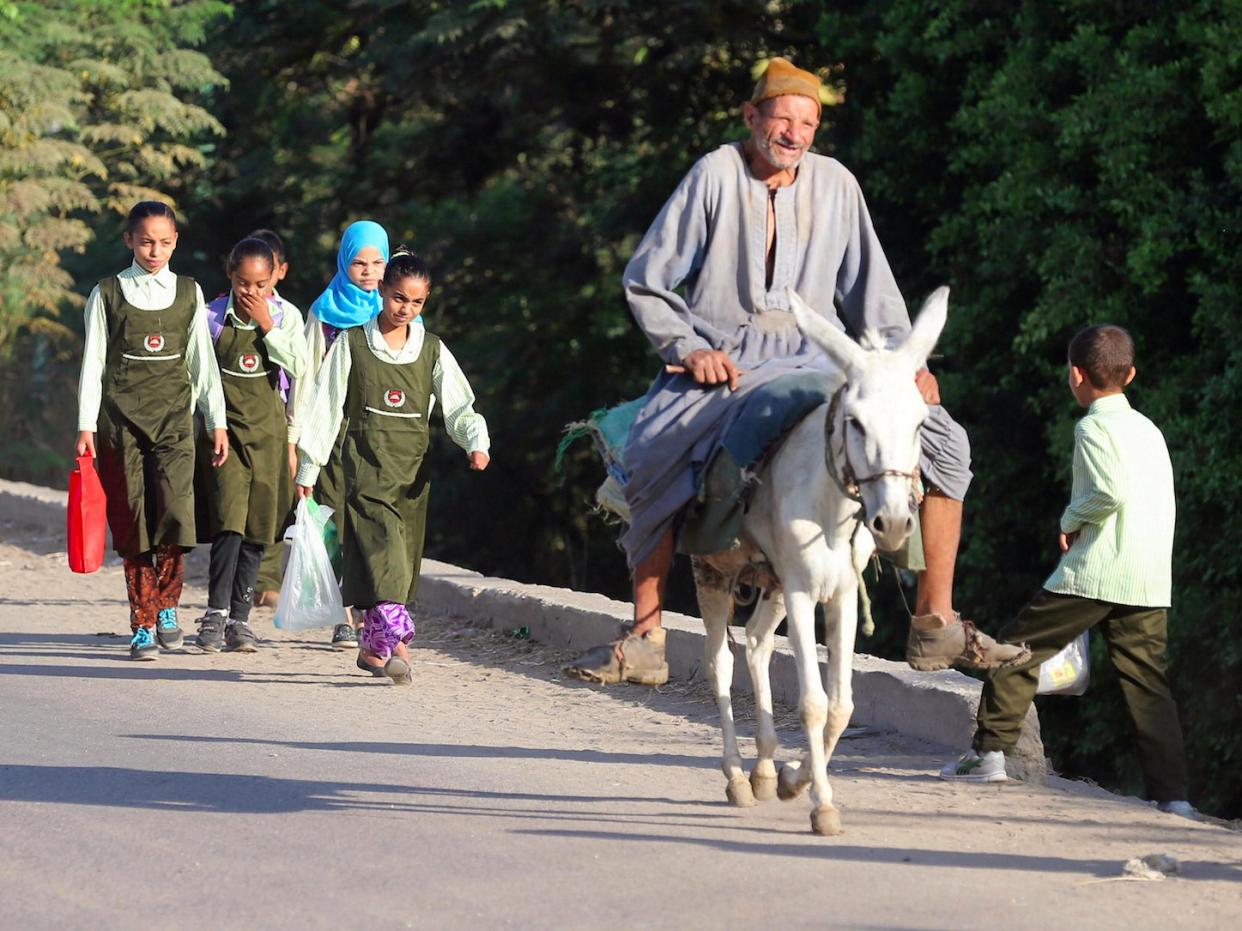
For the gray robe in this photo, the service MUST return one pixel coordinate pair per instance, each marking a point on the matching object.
(698, 281)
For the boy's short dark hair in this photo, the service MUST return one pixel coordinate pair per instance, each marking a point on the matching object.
(273, 240)
(1104, 353)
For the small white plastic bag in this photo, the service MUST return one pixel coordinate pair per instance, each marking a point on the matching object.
(309, 595)
(1068, 672)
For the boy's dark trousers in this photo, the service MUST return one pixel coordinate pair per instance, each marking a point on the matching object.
(1136, 639)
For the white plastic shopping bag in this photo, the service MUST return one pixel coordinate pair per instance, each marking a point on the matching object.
(1067, 672)
(309, 595)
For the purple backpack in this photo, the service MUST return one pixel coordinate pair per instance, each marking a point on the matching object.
(217, 310)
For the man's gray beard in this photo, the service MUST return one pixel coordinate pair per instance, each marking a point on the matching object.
(777, 158)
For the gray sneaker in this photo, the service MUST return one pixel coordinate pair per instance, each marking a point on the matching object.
(972, 766)
(210, 632)
(239, 638)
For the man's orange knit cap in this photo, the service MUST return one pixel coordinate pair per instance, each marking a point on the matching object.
(781, 77)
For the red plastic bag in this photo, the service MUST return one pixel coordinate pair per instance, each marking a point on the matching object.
(88, 517)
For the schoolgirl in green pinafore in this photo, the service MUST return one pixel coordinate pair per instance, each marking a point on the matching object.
(350, 299)
(381, 381)
(383, 462)
(146, 361)
(272, 568)
(259, 346)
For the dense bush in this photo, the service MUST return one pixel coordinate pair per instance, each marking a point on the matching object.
(1072, 163)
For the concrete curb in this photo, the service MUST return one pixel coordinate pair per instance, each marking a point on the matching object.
(936, 707)
(32, 504)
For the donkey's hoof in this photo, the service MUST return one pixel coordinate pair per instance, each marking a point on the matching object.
(763, 786)
(826, 821)
(738, 793)
(788, 784)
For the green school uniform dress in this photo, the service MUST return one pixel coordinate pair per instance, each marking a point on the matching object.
(371, 403)
(249, 494)
(384, 466)
(145, 440)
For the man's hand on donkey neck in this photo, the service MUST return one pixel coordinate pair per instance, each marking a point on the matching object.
(928, 386)
(708, 367)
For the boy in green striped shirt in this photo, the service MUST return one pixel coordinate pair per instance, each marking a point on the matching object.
(1115, 574)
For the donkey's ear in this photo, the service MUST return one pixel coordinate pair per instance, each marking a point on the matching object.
(926, 330)
(833, 340)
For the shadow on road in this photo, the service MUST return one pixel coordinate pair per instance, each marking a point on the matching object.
(457, 750)
(113, 786)
(898, 856)
(229, 793)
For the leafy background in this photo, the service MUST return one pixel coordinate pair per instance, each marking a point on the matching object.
(1058, 163)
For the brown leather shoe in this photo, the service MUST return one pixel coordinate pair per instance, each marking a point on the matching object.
(642, 661)
(937, 643)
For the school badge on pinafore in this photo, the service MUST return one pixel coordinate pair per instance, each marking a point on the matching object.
(248, 362)
(394, 397)
(154, 342)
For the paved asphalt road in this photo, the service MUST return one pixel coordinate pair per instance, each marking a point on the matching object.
(286, 789)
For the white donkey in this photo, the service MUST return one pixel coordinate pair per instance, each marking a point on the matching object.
(845, 480)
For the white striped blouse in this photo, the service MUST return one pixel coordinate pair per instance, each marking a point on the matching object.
(320, 419)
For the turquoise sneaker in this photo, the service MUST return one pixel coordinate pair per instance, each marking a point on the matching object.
(166, 630)
(143, 646)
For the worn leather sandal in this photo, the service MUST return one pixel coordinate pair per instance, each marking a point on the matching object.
(642, 661)
(936, 643)
(398, 670)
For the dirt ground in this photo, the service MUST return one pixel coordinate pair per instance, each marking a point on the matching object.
(222, 790)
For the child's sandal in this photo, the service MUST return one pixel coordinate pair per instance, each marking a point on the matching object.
(376, 671)
(398, 670)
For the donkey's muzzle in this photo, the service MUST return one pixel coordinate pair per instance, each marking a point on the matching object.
(891, 531)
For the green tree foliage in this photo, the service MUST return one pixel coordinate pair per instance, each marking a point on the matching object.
(524, 147)
(96, 112)
(1063, 164)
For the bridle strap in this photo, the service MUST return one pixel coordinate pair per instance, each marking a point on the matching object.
(850, 484)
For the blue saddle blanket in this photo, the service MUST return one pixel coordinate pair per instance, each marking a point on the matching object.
(771, 411)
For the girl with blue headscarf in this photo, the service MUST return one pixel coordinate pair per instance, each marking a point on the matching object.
(352, 296)
(351, 299)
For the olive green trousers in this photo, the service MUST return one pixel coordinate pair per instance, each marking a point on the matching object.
(1136, 639)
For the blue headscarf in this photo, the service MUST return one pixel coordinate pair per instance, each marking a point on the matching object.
(344, 304)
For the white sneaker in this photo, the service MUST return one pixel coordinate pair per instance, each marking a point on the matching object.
(975, 767)
(1179, 807)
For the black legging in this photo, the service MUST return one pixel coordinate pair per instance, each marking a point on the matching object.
(231, 578)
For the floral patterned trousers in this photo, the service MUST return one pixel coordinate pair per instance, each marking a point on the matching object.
(384, 626)
(154, 580)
